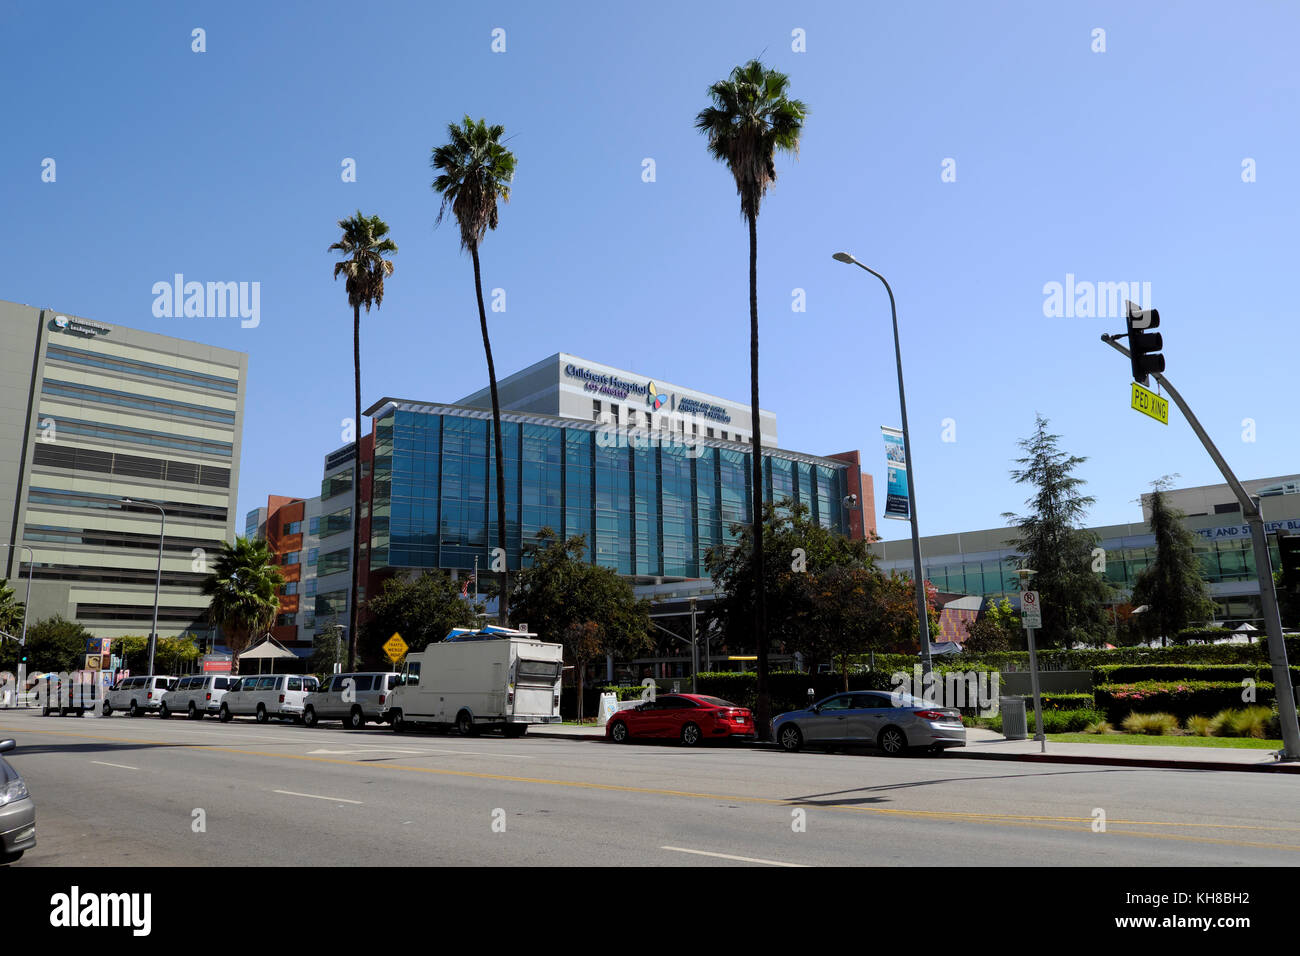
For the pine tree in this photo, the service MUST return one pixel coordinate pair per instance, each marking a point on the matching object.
(1052, 543)
(1172, 587)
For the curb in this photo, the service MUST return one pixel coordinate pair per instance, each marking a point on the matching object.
(1152, 762)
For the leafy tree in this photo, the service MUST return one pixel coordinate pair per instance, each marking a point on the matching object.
(796, 550)
(474, 170)
(174, 655)
(845, 616)
(422, 609)
(897, 623)
(997, 628)
(1172, 586)
(1052, 543)
(327, 648)
(751, 118)
(11, 610)
(243, 591)
(365, 244)
(586, 607)
(54, 644)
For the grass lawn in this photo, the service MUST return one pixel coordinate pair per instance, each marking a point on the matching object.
(1242, 743)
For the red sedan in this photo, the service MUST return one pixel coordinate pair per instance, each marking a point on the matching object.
(689, 718)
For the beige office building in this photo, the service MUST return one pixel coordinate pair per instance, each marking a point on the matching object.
(91, 414)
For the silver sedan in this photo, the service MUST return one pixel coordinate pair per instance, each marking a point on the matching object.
(17, 812)
(894, 722)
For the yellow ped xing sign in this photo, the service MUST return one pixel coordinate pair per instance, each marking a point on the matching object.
(1149, 403)
(395, 648)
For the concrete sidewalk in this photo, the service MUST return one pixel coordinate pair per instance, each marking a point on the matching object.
(990, 745)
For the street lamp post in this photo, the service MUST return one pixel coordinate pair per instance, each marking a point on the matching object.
(22, 641)
(157, 584)
(918, 581)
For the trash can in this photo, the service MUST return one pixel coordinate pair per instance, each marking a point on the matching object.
(1015, 726)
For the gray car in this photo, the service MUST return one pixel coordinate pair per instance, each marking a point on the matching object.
(17, 812)
(894, 722)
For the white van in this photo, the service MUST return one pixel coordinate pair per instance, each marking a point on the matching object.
(138, 695)
(196, 695)
(491, 679)
(268, 695)
(353, 698)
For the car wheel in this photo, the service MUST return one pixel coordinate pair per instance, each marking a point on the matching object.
(192, 712)
(399, 725)
(45, 711)
(790, 738)
(7, 858)
(465, 724)
(691, 735)
(108, 709)
(309, 716)
(619, 732)
(892, 741)
(224, 716)
(163, 712)
(133, 710)
(356, 719)
(81, 712)
(262, 716)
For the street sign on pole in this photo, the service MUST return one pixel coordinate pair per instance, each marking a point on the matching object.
(1031, 611)
(395, 648)
(1150, 404)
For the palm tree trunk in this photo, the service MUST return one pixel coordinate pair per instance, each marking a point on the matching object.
(504, 599)
(356, 489)
(760, 604)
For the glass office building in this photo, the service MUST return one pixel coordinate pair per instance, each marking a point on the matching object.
(650, 506)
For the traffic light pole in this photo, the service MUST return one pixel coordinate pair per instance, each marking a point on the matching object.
(1286, 708)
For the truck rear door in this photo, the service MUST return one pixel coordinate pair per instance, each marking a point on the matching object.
(534, 688)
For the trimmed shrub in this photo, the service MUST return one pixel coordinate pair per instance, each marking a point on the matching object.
(1131, 673)
(1199, 726)
(1247, 722)
(1055, 721)
(1183, 699)
(1155, 725)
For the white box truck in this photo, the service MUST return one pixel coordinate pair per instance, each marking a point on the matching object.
(491, 679)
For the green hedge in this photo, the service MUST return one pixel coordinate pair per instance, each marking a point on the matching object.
(1129, 673)
(1054, 721)
(1183, 699)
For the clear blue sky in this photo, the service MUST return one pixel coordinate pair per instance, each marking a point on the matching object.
(1124, 165)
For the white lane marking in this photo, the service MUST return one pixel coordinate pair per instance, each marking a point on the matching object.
(316, 796)
(121, 765)
(728, 856)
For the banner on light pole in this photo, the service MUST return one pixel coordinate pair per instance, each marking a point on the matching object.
(897, 498)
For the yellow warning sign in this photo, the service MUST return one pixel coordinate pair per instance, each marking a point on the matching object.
(1149, 403)
(395, 648)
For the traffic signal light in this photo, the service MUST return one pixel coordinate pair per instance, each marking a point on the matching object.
(1144, 345)
(1288, 547)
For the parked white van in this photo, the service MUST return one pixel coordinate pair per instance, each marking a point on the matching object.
(196, 695)
(351, 698)
(268, 695)
(495, 678)
(138, 695)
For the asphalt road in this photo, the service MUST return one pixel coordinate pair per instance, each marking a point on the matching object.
(125, 791)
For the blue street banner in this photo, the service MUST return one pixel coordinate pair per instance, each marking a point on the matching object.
(897, 498)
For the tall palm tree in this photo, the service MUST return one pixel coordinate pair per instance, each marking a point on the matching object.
(364, 243)
(474, 169)
(750, 120)
(243, 588)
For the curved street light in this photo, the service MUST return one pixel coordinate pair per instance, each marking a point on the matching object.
(157, 586)
(921, 610)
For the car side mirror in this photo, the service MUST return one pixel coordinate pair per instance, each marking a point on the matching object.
(6, 746)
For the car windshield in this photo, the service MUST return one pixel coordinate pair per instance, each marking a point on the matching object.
(718, 702)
